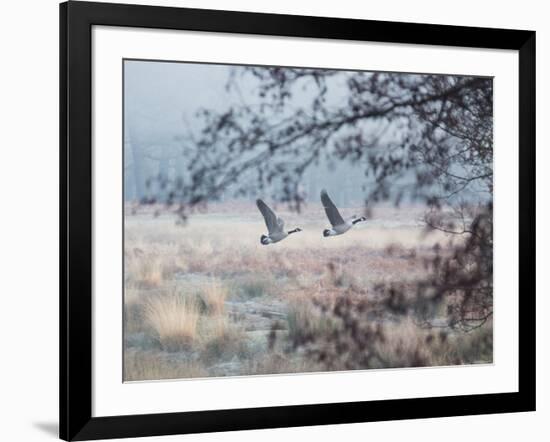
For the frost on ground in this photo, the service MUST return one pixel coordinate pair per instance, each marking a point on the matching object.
(207, 299)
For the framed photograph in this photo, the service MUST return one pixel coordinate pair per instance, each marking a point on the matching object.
(272, 220)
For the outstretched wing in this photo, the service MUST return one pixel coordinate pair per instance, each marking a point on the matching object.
(330, 209)
(273, 223)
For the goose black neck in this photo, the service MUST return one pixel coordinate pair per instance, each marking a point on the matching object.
(293, 231)
(355, 221)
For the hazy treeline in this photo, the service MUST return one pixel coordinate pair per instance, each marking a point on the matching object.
(164, 123)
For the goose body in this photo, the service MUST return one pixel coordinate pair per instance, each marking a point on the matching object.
(275, 225)
(339, 225)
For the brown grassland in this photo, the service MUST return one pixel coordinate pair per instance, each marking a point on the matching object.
(207, 299)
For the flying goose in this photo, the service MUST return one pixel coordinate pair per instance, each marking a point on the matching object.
(275, 225)
(339, 226)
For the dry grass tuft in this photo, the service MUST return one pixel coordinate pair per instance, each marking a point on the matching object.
(275, 363)
(133, 311)
(255, 286)
(139, 366)
(404, 344)
(305, 320)
(145, 271)
(174, 319)
(220, 339)
(213, 296)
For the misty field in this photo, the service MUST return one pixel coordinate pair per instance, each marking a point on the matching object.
(207, 299)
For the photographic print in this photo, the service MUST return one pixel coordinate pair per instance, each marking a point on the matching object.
(296, 219)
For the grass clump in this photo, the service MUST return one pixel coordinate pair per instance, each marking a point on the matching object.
(255, 287)
(145, 271)
(306, 321)
(221, 339)
(213, 298)
(174, 320)
(140, 365)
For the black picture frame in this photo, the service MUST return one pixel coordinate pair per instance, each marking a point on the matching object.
(76, 21)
